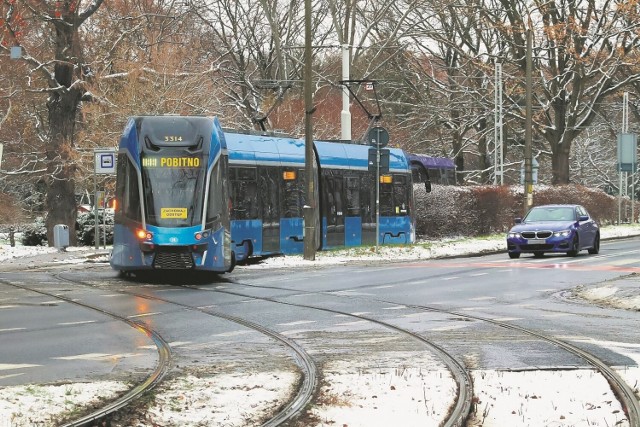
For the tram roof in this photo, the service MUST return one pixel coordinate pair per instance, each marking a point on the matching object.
(429, 161)
(252, 149)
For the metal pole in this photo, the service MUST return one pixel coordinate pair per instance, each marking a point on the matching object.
(528, 172)
(620, 199)
(498, 155)
(377, 190)
(104, 219)
(625, 129)
(500, 124)
(96, 235)
(495, 126)
(345, 115)
(310, 208)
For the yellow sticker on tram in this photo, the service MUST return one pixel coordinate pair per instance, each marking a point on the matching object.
(173, 213)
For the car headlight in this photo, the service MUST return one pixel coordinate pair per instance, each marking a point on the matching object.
(563, 233)
(513, 235)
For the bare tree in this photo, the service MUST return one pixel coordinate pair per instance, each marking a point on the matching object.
(58, 71)
(582, 49)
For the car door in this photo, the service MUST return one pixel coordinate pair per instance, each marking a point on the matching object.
(587, 229)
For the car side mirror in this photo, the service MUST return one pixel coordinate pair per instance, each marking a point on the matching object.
(518, 220)
(583, 218)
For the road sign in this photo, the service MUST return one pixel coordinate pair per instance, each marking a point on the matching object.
(378, 137)
(16, 52)
(627, 152)
(105, 161)
(384, 160)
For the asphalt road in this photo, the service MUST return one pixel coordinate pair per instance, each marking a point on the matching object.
(332, 311)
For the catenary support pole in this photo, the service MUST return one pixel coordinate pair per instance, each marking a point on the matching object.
(309, 252)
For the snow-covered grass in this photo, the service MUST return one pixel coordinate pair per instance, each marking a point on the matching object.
(42, 405)
(366, 393)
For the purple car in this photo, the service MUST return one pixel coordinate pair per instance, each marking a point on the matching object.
(554, 228)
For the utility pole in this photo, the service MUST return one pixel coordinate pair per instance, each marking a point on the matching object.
(498, 152)
(528, 170)
(345, 115)
(310, 207)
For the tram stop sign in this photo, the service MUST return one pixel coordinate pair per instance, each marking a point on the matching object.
(378, 137)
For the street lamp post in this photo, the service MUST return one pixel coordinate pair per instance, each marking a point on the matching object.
(309, 252)
(528, 170)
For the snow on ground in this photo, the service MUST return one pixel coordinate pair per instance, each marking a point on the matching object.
(42, 405)
(545, 398)
(352, 394)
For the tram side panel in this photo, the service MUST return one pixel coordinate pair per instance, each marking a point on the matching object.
(267, 210)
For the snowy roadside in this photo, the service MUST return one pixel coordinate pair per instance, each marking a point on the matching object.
(376, 392)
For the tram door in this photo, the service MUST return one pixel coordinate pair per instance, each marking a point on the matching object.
(268, 194)
(333, 210)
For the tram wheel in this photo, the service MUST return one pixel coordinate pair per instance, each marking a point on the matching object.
(233, 262)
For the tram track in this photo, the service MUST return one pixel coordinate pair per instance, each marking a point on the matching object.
(162, 367)
(462, 405)
(624, 393)
(309, 371)
(457, 414)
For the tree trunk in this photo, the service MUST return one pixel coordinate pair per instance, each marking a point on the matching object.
(62, 107)
(60, 201)
(560, 163)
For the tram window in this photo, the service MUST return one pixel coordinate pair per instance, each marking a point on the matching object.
(245, 174)
(293, 193)
(244, 193)
(386, 199)
(215, 202)
(436, 176)
(353, 196)
(268, 194)
(419, 175)
(333, 198)
(128, 189)
(449, 176)
(400, 196)
(367, 198)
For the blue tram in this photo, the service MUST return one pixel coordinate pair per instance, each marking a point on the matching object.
(191, 195)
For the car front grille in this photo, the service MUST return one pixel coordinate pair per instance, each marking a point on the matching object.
(544, 247)
(536, 234)
(173, 259)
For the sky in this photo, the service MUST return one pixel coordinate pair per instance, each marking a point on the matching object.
(400, 389)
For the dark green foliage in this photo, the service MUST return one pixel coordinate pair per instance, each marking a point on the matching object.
(35, 234)
(86, 227)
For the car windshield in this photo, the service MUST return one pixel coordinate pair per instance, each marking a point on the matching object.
(559, 213)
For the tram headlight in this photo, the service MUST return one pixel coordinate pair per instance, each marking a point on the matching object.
(144, 234)
(202, 235)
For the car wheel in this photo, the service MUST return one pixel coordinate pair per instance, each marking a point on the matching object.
(596, 245)
(574, 246)
(514, 255)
